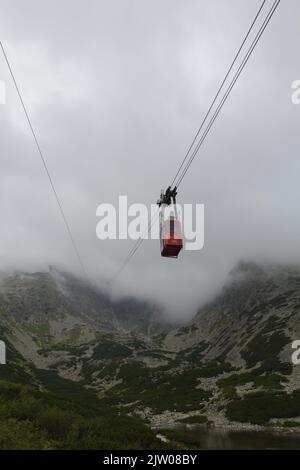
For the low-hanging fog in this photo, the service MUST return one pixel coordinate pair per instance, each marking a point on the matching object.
(116, 91)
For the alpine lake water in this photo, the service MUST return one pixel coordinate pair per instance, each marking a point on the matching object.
(209, 438)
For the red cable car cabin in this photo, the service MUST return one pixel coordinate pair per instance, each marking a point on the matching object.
(171, 238)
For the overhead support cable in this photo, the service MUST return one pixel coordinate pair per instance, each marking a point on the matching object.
(220, 89)
(186, 163)
(229, 90)
(58, 201)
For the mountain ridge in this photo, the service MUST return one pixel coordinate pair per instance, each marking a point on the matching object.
(230, 365)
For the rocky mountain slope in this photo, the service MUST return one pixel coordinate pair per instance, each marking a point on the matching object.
(230, 365)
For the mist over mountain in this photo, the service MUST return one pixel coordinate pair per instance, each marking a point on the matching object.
(230, 366)
(110, 344)
(116, 97)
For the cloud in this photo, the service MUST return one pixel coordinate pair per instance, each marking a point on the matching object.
(116, 91)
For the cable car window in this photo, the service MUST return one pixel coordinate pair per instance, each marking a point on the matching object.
(172, 226)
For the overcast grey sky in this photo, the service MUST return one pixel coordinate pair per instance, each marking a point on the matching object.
(116, 91)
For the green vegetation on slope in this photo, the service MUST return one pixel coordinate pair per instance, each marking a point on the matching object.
(30, 419)
(260, 407)
(157, 389)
